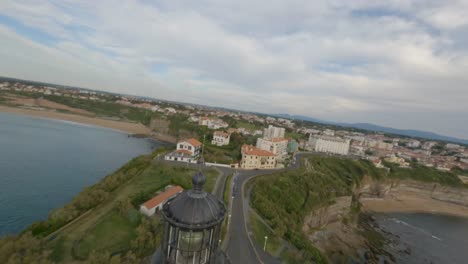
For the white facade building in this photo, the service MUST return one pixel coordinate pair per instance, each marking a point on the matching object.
(277, 146)
(220, 138)
(187, 151)
(149, 207)
(329, 144)
(273, 132)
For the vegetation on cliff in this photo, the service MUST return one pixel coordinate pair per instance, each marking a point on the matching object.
(284, 199)
(102, 223)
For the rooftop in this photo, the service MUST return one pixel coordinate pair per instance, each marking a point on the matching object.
(221, 134)
(251, 150)
(158, 199)
(192, 142)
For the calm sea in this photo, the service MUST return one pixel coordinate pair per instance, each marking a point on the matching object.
(44, 163)
(426, 238)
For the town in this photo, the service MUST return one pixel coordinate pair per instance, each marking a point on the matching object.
(245, 140)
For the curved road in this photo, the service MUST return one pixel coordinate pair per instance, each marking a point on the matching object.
(241, 248)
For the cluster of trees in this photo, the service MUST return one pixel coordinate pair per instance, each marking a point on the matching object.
(422, 173)
(89, 197)
(25, 249)
(111, 109)
(230, 153)
(286, 198)
(149, 233)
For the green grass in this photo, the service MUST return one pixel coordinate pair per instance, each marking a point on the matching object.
(291, 256)
(112, 234)
(260, 230)
(58, 250)
(425, 174)
(247, 125)
(105, 228)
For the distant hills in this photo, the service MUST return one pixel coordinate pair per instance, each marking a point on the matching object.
(363, 126)
(377, 128)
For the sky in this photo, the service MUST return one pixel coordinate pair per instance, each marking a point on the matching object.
(398, 63)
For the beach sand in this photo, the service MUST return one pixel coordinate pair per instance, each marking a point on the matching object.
(128, 127)
(409, 202)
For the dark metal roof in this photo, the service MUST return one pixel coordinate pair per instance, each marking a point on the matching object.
(194, 209)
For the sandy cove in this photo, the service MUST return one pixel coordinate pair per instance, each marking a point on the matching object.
(128, 127)
(418, 197)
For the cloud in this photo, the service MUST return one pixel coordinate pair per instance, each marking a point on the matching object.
(340, 60)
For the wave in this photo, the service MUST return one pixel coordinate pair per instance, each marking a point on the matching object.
(398, 221)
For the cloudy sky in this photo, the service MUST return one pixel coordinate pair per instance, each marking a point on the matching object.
(399, 63)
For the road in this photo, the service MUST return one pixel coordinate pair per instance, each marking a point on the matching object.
(241, 248)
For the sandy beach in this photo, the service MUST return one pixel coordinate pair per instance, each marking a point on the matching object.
(413, 203)
(128, 127)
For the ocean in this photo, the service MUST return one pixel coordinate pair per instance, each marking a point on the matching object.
(425, 237)
(44, 163)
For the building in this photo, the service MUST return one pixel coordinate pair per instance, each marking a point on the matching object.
(277, 146)
(255, 158)
(452, 146)
(329, 144)
(329, 132)
(192, 222)
(273, 132)
(150, 207)
(428, 145)
(212, 123)
(220, 138)
(187, 151)
(203, 121)
(413, 144)
(293, 146)
(397, 160)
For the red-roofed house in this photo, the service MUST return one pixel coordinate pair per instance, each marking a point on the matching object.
(188, 150)
(255, 158)
(220, 138)
(149, 207)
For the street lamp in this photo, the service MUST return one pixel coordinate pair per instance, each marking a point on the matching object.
(264, 246)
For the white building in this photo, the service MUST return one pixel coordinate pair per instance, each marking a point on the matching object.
(220, 138)
(329, 144)
(277, 146)
(149, 207)
(428, 145)
(452, 146)
(187, 151)
(329, 132)
(273, 132)
(413, 144)
(212, 123)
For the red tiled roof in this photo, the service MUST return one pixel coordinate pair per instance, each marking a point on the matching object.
(251, 150)
(192, 142)
(160, 198)
(184, 151)
(221, 134)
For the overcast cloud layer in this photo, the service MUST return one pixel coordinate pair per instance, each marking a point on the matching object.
(399, 63)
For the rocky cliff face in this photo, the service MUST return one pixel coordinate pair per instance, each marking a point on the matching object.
(393, 188)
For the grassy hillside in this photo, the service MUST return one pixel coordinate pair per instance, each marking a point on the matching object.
(284, 199)
(102, 223)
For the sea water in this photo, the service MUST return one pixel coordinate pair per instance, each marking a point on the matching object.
(44, 163)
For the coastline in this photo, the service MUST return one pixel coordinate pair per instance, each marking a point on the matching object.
(127, 127)
(413, 203)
